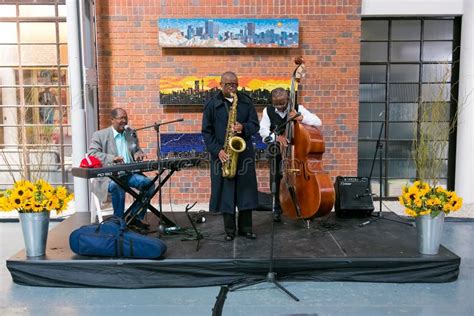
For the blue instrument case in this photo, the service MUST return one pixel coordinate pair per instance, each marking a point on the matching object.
(112, 238)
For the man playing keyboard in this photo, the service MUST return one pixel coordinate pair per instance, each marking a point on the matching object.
(118, 144)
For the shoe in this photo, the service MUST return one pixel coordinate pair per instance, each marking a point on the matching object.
(248, 235)
(229, 237)
(277, 217)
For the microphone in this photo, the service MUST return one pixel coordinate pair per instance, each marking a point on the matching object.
(172, 230)
(131, 130)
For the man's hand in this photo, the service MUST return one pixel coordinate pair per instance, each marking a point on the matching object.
(237, 128)
(118, 159)
(223, 156)
(139, 156)
(282, 139)
(294, 113)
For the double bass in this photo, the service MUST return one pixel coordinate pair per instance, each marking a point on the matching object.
(306, 190)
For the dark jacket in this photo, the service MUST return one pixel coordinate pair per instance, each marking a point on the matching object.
(241, 191)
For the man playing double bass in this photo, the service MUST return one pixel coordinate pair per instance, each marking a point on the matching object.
(273, 116)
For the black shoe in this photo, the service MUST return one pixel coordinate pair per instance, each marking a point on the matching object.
(248, 235)
(229, 237)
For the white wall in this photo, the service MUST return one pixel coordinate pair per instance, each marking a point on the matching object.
(412, 7)
(465, 134)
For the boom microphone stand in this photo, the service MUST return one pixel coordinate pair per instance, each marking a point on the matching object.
(271, 275)
(378, 148)
(156, 126)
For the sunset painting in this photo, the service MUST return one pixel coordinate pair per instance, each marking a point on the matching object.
(193, 90)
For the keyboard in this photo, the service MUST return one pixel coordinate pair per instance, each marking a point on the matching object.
(142, 166)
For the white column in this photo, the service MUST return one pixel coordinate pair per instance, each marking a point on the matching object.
(78, 120)
(465, 133)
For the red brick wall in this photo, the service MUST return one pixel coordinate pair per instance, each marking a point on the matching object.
(131, 63)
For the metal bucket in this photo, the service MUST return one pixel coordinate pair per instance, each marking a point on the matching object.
(35, 232)
(429, 230)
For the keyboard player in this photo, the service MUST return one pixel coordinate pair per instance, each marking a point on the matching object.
(117, 144)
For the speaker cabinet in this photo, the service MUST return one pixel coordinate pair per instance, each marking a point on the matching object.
(353, 197)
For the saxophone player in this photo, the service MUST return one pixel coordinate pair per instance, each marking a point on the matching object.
(218, 125)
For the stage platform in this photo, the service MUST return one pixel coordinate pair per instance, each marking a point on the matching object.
(332, 249)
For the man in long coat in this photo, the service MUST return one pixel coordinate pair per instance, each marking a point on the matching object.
(240, 191)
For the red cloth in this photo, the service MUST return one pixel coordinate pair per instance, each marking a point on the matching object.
(90, 162)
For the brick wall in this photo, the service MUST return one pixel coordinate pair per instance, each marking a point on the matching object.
(131, 64)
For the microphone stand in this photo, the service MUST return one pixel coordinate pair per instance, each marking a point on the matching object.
(378, 148)
(271, 275)
(156, 126)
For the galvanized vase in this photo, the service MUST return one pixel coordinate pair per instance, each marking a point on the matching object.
(35, 232)
(429, 230)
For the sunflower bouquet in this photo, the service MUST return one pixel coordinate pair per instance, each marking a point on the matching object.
(29, 197)
(422, 199)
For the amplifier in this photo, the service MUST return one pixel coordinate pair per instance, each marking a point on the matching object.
(353, 197)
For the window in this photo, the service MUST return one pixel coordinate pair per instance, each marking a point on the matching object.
(35, 128)
(403, 61)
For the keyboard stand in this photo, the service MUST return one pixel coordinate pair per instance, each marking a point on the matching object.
(146, 201)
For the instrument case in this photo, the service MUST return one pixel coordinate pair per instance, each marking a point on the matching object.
(111, 238)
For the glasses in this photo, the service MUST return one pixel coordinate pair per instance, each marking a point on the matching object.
(230, 84)
(121, 118)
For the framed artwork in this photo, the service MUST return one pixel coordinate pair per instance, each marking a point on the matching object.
(229, 33)
(193, 90)
(191, 145)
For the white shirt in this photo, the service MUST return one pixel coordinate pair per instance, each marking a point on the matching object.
(308, 119)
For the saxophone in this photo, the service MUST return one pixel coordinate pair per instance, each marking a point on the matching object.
(233, 145)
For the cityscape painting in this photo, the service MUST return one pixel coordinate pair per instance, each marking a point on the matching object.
(191, 145)
(229, 33)
(193, 90)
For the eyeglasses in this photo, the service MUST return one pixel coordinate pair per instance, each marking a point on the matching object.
(230, 84)
(121, 118)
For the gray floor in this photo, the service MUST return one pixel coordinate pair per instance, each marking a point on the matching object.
(336, 298)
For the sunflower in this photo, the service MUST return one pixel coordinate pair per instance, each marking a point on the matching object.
(411, 212)
(422, 199)
(61, 193)
(16, 200)
(22, 192)
(37, 206)
(53, 203)
(5, 204)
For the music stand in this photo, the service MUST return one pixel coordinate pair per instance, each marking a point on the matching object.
(271, 275)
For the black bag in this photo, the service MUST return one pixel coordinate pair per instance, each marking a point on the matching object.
(111, 238)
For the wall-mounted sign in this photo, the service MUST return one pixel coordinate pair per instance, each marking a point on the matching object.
(229, 33)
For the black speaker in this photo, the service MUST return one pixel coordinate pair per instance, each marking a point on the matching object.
(353, 197)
